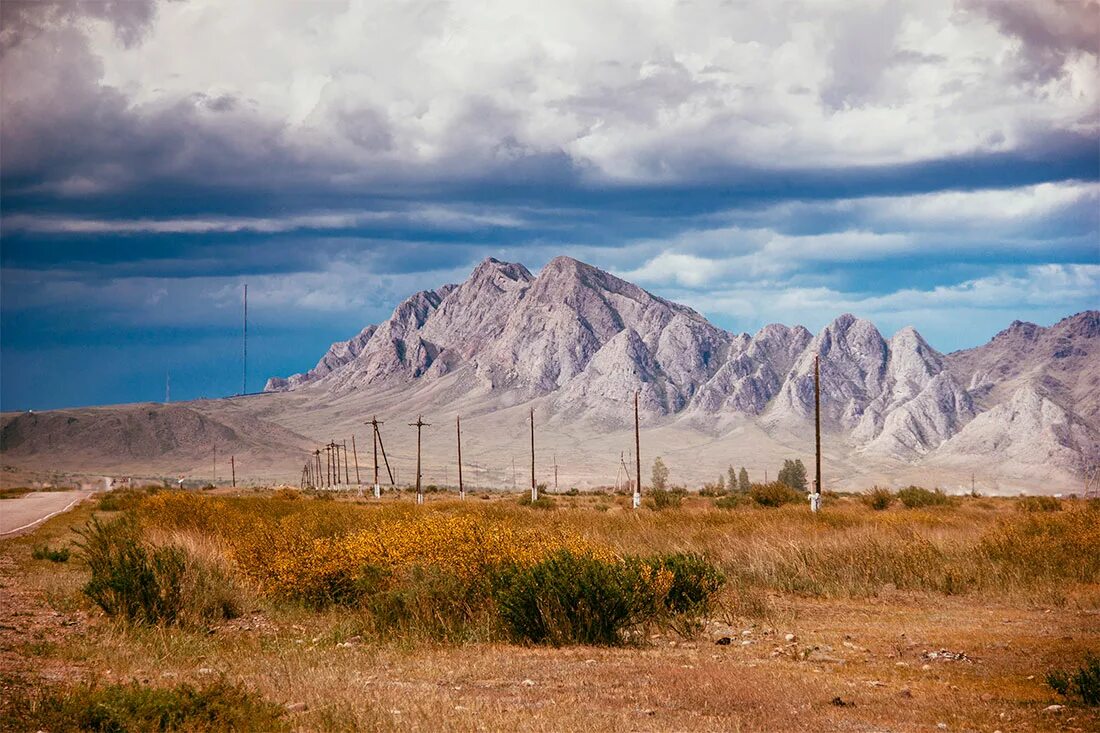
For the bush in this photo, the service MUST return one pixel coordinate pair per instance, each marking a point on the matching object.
(878, 498)
(694, 583)
(774, 494)
(1039, 504)
(732, 501)
(43, 552)
(133, 707)
(914, 496)
(543, 502)
(569, 598)
(127, 580)
(664, 499)
(1084, 683)
(156, 585)
(426, 602)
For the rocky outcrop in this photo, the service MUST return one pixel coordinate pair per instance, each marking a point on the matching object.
(586, 341)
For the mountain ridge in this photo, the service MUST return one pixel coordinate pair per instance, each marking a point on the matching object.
(582, 341)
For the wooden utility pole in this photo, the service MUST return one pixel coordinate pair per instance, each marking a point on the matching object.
(637, 455)
(317, 472)
(347, 476)
(374, 423)
(328, 466)
(418, 425)
(233, 469)
(214, 481)
(458, 435)
(534, 486)
(355, 457)
(555, 473)
(817, 433)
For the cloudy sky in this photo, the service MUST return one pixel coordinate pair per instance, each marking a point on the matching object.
(924, 162)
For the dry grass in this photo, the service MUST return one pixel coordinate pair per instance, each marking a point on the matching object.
(865, 593)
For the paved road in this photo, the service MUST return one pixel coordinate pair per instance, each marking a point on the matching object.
(25, 513)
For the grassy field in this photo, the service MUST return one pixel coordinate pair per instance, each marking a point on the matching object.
(311, 613)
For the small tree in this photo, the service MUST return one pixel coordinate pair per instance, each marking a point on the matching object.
(721, 485)
(731, 479)
(793, 474)
(743, 481)
(659, 479)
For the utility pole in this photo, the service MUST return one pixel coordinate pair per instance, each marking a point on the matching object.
(534, 486)
(347, 477)
(418, 425)
(355, 456)
(233, 469)
(815, 500)
(167, 387)
(637, 455)
(458, 435)
(328, 466)
(317, 472)
(555, 473)
(375, 422)
(244, 368)
(214, 481)
(377, 488)
(513, 473)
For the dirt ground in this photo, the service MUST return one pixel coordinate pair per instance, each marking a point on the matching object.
(873, 664)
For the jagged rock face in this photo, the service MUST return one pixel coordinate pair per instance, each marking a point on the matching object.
(587, 341)
(1029, 431)
(339, 354)
(754, 371)
(1063, 359)
(854, 360)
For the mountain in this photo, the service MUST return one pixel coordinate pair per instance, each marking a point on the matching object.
(1061, 360)
(578, 342)
(162, 439)
(574, 344)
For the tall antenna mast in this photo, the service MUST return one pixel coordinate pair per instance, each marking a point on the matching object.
(244, 375)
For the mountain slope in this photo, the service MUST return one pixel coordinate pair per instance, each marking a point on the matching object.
(583, 341)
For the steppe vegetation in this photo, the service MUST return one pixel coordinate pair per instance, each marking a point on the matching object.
(736, 611)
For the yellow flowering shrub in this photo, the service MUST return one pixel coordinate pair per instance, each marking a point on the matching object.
(308, 551)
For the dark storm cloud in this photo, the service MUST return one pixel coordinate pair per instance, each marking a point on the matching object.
(1050, 31)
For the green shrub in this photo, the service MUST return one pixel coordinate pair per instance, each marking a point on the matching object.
(694, 583)
(1082, 683)
(570, 598)
(731, 501)
(664, 499)
(426, 602)
(156, 585)
(133, 707)
(44, 552)
(914, 496)
(1039, 504)
(878, 498)
(774, 494)
(127, 579)
(543, 502)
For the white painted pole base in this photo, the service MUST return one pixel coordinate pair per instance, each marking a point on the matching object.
(637, 500)
(419, 498)
(462, 495)
(815, 502)
(534, 493)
